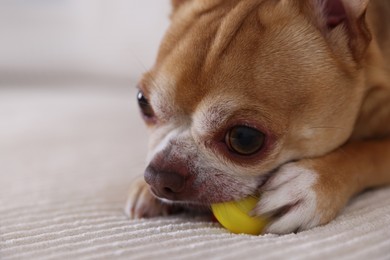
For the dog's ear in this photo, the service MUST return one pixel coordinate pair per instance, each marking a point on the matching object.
(338, 11)
(351, 14)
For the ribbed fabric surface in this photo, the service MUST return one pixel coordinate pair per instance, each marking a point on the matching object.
(66, 159)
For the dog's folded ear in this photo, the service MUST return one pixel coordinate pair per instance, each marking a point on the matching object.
(351, 16)
(339, 11)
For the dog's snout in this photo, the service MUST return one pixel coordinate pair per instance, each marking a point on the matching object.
(166, 184)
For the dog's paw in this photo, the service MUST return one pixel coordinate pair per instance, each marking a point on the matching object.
(141, 203)
(289, 199)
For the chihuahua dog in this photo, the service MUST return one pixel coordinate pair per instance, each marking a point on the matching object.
(285, 99)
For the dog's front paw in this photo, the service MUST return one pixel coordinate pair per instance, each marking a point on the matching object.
(142, 204)
(289, 199)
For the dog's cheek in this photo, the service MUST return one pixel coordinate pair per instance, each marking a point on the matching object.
(218, 182)
(220, 188)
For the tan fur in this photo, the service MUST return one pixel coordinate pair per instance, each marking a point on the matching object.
(323, 95)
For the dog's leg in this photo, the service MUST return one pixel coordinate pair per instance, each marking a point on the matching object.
(312, 192)
(141, 203)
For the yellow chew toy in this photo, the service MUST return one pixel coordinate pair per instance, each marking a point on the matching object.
(234, 216)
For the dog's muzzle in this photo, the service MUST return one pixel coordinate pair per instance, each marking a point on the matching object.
(165, 184)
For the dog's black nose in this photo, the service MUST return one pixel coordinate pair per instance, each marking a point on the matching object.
(165, 184)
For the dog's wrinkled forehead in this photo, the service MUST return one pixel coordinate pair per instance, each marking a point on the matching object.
(212, 64)
(228, 48)
(205, 115)
(197, 52)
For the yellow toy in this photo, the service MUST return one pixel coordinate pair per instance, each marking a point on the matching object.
(234, 216)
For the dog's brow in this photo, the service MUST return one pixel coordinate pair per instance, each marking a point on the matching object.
(162, 96)
(162, 106)
(208, 118)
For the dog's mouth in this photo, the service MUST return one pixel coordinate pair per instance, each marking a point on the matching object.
(205, 195)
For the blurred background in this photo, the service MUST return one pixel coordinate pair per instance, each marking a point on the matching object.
(68, 110)
(97, 41)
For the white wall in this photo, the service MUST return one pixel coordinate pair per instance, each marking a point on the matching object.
(113, 38)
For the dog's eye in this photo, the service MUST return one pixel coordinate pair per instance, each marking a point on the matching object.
(244, 140)
(144, 105)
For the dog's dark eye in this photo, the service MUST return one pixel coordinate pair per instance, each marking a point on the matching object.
(144, 105)
(244, 140)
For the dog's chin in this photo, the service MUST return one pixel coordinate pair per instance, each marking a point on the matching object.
(195, 207)
(190, 203)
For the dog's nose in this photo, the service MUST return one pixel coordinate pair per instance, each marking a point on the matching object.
(165, 184)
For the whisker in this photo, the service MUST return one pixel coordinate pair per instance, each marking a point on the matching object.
(327, 127)
(140, 63)
(154, 81)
